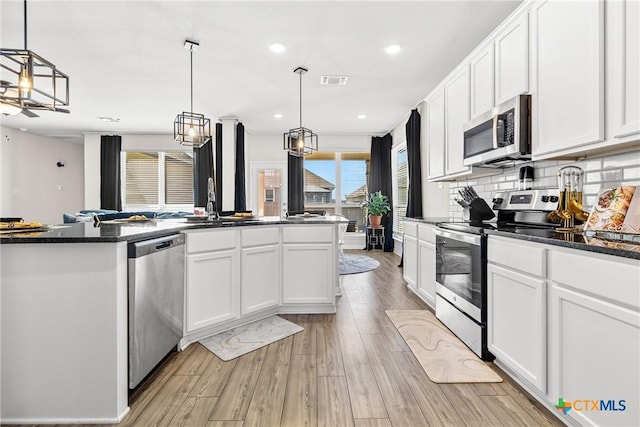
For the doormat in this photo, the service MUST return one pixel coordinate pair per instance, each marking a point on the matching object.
(244, 339)
(441, 354)
(352, 264)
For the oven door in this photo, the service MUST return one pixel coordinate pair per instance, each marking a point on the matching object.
(460, 267)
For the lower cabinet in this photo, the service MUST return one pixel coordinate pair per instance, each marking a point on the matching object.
(211, 291)
(410, 260)
(427, 272)
(308, 273)
(516, 319)
(260, 278)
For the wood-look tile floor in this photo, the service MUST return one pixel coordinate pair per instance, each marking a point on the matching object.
(348, 369)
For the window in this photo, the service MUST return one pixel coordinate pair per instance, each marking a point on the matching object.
(400, 180)
(337, 183)
(159, 180)
(269, 195)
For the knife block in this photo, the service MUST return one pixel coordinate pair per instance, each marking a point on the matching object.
(479, 211)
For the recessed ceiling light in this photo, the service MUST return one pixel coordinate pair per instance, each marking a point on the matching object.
(362, 116)
(23, 129)
(108, 119)
(392, 49)
(277, 47)
(277, 115)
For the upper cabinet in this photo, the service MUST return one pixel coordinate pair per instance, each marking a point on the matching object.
(567, 75)
(456, 99)
(435, 133)
(511, 48)
(482, 81)
(623, 68)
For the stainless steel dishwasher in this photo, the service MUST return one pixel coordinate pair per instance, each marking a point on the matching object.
(156, 302)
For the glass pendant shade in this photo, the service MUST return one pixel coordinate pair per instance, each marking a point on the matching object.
(191, 129)
(300, 141)
(30, 82)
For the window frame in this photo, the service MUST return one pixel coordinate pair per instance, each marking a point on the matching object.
(161, 205)
(398, 220)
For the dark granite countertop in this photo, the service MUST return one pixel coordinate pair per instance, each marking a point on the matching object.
(574, 240)
(123, 231)
(430, 220)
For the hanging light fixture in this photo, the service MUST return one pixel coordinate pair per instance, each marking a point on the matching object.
(30, 82)
(300, 141)
(191, 129)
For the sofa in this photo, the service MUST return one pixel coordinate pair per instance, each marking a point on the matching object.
(106, 215)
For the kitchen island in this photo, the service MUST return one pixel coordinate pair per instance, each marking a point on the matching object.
(65, 302)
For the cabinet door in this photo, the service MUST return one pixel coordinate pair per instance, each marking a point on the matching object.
(211, 288)
(512, 60)
(308, 273)
(516, 320)
(410, 260)
(260, 278)
(623, 61)
(427, 273)
(594, 354)
(482, 81)
(435, 134)
(568, 102)
(456, 115)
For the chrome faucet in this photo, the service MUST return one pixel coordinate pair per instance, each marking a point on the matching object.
(211, 199)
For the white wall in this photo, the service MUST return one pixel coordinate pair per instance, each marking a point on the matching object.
(32, 186)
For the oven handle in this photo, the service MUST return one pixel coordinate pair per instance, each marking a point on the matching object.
(464, 237)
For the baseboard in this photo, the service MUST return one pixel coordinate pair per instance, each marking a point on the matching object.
(17, 421)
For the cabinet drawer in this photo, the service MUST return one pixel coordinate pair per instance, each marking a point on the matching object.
(307, 234)
(210, 240)
(411, 228)
(600, 275)
(426, 233)
(526, 257)
(259, 236)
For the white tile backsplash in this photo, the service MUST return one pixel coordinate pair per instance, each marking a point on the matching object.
(600, 172)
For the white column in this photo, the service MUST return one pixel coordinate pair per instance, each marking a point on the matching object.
(92, 171)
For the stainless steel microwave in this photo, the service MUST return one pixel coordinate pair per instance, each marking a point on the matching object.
(500, 136)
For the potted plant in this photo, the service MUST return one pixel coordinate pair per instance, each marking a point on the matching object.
(376, 205)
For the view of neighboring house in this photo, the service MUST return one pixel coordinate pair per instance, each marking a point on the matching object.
(317, 190)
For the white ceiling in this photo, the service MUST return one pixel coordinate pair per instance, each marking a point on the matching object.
(126, 60)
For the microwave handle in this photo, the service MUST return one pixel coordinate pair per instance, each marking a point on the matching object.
(495, 131)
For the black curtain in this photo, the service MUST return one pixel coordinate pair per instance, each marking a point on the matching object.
(218, 169)
(414, 190)
(380, 180)
(240, 191)
(295, 183)
(202, 171)
(110, 194)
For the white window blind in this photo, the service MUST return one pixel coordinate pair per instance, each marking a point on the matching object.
(141, 178)
(400, 188)
(178, 178)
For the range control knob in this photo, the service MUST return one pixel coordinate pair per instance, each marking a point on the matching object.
(553, 199)
(545, 199)
(497, 200)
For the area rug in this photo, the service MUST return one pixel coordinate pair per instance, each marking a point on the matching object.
(442, 355)
(352, 264)
(244, 339)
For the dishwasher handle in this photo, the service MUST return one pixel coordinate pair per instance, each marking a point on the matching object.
(148, 247)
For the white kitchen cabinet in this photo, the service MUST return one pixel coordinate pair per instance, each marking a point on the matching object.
(427, 273)
(623, 68)
(594, 334)
(456, 91)
(211, 290)
(567, 76)
(511, 47)
(436, 133)
(517, 308)
(482, 81)
(308, 273)
(410, 254)
(260, 278)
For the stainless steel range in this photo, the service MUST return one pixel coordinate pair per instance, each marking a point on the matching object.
(461, 261)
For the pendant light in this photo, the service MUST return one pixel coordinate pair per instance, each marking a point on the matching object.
(30, 82)
(300, 141)
(189, 128)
